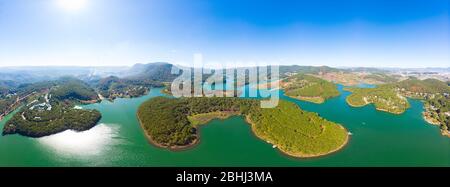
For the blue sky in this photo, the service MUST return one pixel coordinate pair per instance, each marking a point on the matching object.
(371, 33)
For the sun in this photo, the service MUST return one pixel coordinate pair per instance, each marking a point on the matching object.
(72, 5)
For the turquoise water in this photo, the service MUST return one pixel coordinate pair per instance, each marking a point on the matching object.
(363, 85)
(379, 139)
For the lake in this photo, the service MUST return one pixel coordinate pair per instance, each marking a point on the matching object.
(379, 139)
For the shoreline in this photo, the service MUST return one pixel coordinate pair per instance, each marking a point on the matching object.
(184, 147)
(297, 155)
(309, 99)
(266, 86)
(445, 133)
(87, 102)
(170, 148)
(53, 133)
(353, 105)
(196, 142)
(383, 110)
(379, 109)
(432, 121)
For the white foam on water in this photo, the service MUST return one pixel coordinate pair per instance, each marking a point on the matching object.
(86, 143)
(77, 107)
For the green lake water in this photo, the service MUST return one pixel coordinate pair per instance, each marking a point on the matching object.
(379, 139)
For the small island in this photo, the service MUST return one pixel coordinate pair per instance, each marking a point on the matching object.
(173, 123)
(309, 88)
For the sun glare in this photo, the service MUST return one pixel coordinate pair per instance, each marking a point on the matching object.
(72, 5)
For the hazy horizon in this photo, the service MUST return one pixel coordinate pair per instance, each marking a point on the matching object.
(129, 66)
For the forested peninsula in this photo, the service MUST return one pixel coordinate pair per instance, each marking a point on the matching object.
(173, 123)
(309, 88)
(52, 110)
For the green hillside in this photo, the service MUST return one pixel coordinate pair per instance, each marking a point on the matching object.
(48, 108)
(392, 98)
(416, 88)
(385, 98)
(285, 71)
(309, 88)
(73, 89)
(169, 123)
(40, 121)
(112, 87)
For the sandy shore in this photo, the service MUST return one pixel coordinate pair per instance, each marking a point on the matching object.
(383, 110)
(445, 133)
(434, 122)
(353, 105)
(90, 101)
(317, 100)
(379, 109)
(429, 119)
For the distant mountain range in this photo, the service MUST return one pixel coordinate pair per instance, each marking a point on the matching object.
(157, 71)
(390, 69)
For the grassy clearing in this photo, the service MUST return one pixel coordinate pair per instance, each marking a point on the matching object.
(200, 119)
